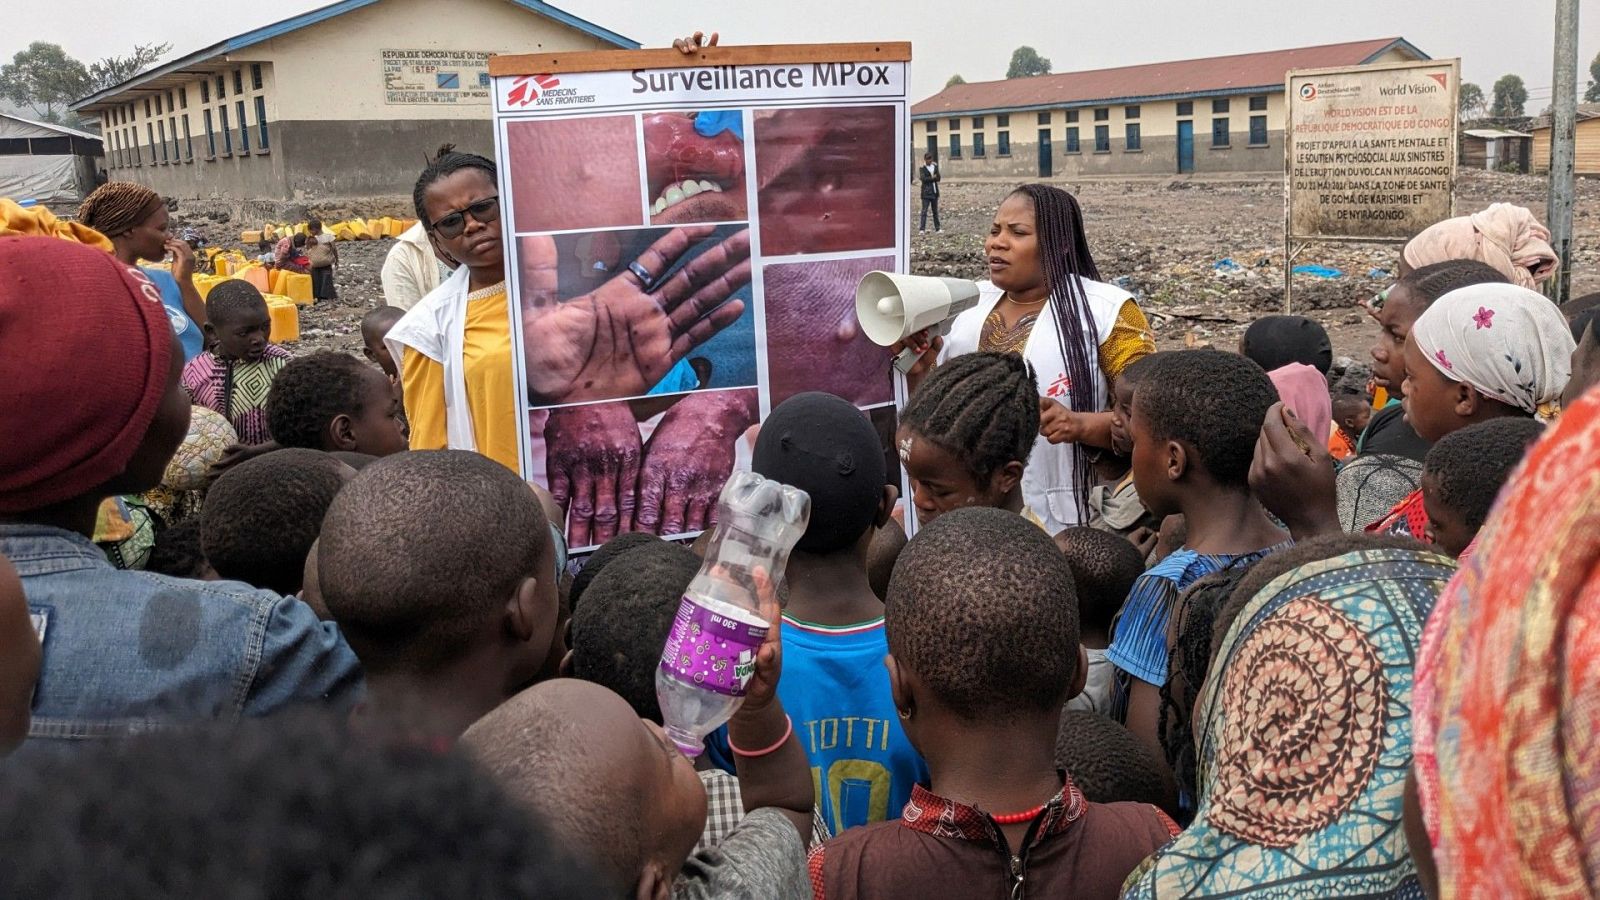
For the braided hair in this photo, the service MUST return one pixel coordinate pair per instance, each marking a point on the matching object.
(117, 207)
(982, 408)
(445, 163)
(1064, 253)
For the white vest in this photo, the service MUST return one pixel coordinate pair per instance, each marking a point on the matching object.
(436, 328)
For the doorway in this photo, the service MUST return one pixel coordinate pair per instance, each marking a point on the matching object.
(1044, 153)
(1185, 147)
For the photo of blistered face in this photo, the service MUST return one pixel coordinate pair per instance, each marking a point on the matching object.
(825, 179)
(814, 341)
(694, 166)
(574, 173)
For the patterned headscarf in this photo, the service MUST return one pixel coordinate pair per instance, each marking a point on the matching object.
(1508, 686)
(1504, 236)
(1306, 736)
(117, 207)
(1510, 343)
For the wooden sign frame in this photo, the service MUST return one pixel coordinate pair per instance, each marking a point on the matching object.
(669, 58)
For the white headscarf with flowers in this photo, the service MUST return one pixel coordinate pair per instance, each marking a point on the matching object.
(1508, 342)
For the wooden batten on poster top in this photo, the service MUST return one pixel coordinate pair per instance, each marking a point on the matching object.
(669, 58)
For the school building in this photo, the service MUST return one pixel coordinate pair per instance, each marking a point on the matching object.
(343, 101)
(1222, 114)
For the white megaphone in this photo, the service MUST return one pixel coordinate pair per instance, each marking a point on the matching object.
(893, 307)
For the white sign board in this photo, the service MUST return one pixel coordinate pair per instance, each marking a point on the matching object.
(432, 77)
(1371, 150)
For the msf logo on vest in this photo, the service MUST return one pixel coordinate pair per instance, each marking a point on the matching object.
(529, 88)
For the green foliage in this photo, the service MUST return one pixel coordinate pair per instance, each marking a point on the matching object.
(1470, 101)
(1026, 63)
(114, 70)
(44, 78)
(955, 80)
(1592, 95)
(1510, 95)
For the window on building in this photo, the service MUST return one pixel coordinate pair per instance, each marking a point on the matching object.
(1103, 114)
(955, 146)
(1219, 132)
(1002, 143)
(147, 107)
(1003, 120)
(1258, 104)
(977, 144)
(1072, 116)
(162, 128)
(244, 129)
(261, 121)
(170, 107)
(158, 104)
(177, 150)
(14, 146)
(1258, 131)
(1219, 105)
(1044, 118)
(977, 121)
(221, 87)
(183, 97)
(150, 138)
(933, 146)
(255, 76)
(188, 141)
(955, 124)
(1102, 139)
(227, 133)
(1130, 112)
(205, 90)
(238, 81)
(930, 126)
(211, 138)
(1072, 140)
(1131, 136)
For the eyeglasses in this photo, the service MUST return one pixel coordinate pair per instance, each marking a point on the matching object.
(485, 211)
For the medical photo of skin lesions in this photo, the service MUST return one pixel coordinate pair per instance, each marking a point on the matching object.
(826, 179)
(653, 464)
(574, 173)
(814, 342)
(694, 163)
(614, 314)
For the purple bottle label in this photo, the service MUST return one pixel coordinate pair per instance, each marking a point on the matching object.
(710, 650)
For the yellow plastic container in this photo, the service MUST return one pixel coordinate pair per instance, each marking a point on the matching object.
(258, 277)
(220, 265)
(285, 319)
(297, 287)
(250, 237)
(396, 227)
(204, 283)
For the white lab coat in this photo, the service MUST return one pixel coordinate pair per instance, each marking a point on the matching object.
(411, 271)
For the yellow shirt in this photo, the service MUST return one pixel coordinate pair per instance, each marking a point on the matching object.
(491, 392)
(1129, 340)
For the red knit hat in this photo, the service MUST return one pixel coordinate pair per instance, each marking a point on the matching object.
(85, 346)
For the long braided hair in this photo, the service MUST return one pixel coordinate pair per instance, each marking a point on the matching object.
(444, 163)
(1064, 253)
(982, 408)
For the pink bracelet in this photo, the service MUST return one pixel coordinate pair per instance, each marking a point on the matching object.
(752, 754)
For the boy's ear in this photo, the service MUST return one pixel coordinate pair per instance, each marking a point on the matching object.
(367, 351)
(341, 436)
(1468, 400)
(210, 331)
(900, 687)
(1082, 676)
(531, 615)
(565, 669)
(1177, 460)
(891, 495)
(1007, 477)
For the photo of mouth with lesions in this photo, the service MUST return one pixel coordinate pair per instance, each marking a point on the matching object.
(694, 166)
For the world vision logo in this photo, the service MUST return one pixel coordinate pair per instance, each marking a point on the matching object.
(1441, 77)
(529, 88)
(1308, 91)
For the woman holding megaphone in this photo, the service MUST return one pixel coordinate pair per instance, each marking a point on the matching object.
(1044, 300)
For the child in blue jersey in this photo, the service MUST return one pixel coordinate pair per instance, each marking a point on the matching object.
(834, 685)
(1196, 417)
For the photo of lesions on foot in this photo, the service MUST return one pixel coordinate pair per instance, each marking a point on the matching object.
(694, 166)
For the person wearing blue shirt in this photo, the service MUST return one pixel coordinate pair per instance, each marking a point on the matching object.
(135, 218)
(834, 685)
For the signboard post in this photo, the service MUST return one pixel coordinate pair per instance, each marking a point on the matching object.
(684, 234)
(1370, 154)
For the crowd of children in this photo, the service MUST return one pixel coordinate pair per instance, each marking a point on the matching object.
(1308, 636)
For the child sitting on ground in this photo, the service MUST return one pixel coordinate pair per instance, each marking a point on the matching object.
(1196, 417)
(234, 376)
(980, 617)
(966, 434)
(1463, 474)
(1104, 568)
(374, 325)
(1106, 761)
(334, 402)
(833, 628)
(262, 516)
(615, 789)
(439, 568)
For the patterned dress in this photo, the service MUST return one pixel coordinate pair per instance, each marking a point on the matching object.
(236, 389)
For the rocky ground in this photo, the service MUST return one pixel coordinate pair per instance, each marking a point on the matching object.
(1163, 238)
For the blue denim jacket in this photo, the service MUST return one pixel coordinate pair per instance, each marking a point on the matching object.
(131, 651)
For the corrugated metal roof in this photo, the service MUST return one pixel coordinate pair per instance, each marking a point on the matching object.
(62, 129)
(1493, 133)
(1189, 77)
(1586, 111)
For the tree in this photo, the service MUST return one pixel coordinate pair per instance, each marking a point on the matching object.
(1470, 101)
(1592, 95)
(114, 70)
(955, 80)
(1510, 94)
(44, 78)
(1026, 63)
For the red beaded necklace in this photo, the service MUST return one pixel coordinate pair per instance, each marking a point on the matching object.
(1018, 818)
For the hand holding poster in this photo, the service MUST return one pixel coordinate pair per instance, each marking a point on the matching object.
(688, 233)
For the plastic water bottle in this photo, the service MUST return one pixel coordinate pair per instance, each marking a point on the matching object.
(711, 652)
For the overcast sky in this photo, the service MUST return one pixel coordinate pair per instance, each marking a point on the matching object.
(971, 37)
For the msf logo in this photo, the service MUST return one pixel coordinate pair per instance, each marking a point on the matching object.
(529, 88)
